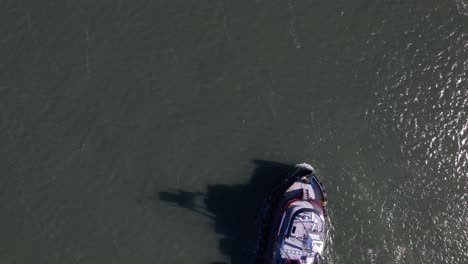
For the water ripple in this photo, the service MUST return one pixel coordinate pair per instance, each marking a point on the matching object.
(425, 103)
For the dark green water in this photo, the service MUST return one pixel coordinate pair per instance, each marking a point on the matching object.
(152, 131)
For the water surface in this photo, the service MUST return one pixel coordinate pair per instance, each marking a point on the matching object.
(152, 131)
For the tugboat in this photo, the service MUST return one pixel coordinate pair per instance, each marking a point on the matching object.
(298, 225)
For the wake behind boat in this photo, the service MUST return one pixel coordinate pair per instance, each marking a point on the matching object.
(298, 223)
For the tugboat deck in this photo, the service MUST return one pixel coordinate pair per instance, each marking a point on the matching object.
(303, 237)
(297, 221)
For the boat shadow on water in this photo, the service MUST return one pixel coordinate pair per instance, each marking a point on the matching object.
(236, 210)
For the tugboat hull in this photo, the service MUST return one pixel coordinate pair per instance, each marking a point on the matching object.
(298, 223)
